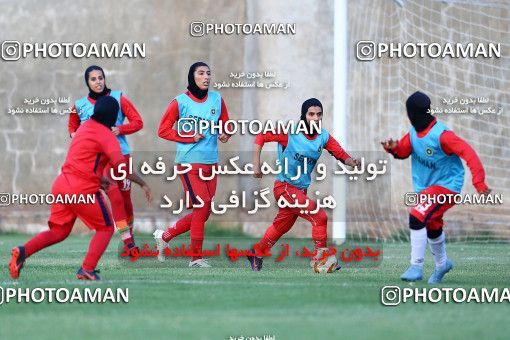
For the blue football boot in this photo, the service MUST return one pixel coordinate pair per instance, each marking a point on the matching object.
(439, 273)
(413, 273)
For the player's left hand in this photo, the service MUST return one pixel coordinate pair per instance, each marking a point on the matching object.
(389, 144)
(115, 131)
(352, 162)
(105, 183)
(148, 193)
(223, 137)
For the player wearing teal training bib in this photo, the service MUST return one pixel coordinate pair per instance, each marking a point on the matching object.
(198, 148)
(437, 173)
(293, 150)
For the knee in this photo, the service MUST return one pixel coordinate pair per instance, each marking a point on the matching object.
(60, 232)
(206, 208)
(415, 223)
(434, 233)
(63, 234)
(200, 200)
(207, 204)
(283, 228)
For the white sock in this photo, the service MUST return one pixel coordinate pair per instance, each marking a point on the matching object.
(438, 250)
(418, 246)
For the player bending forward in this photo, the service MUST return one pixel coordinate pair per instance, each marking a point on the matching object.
(93, 146)
(437, 170)
(119, 192)
(294, 149)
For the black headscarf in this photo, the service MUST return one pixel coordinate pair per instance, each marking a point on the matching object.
(92, 94)
(192, 86)
(304, 109)
(308, 104)
(418, 111)
(105, 111)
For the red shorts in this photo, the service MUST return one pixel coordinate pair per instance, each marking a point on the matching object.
(195, 186)
(431, 212)
(95, 215)
(287, 216)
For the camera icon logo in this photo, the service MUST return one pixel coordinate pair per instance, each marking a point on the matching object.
(365, 50)
(5, 199)
(411, 199)
(187, 127)
(391, 295)
(197, 29)
(11, 50)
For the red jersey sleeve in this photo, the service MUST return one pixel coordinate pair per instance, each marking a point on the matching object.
(403, 148)
(109, 146)
(263, 138)
(224, 114)
(135, 122)
(335, 149)
(166, 125)
(453, 144)
(74, 121)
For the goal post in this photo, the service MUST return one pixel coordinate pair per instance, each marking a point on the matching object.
(340, 105)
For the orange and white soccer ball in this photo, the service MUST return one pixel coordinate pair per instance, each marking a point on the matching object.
(326, 265)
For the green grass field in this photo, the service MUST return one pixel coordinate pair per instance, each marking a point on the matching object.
(175, 302)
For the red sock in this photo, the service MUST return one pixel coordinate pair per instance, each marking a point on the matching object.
(98, 245)
(271, 236)
(320, 236)
(196, 246)
(320, 243)
(128, 241)
(180, 227)
(57, 233)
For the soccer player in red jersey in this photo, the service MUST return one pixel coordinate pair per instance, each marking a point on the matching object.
(198, 149)
(437, 170)
(293, 150)
(119, 192)
(93, 146)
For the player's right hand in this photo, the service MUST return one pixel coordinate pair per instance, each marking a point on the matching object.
(105, 183)
(148, 193)
(223, 137)
(257, 173)
(198, 137)
(389, 144)
(486, 191)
